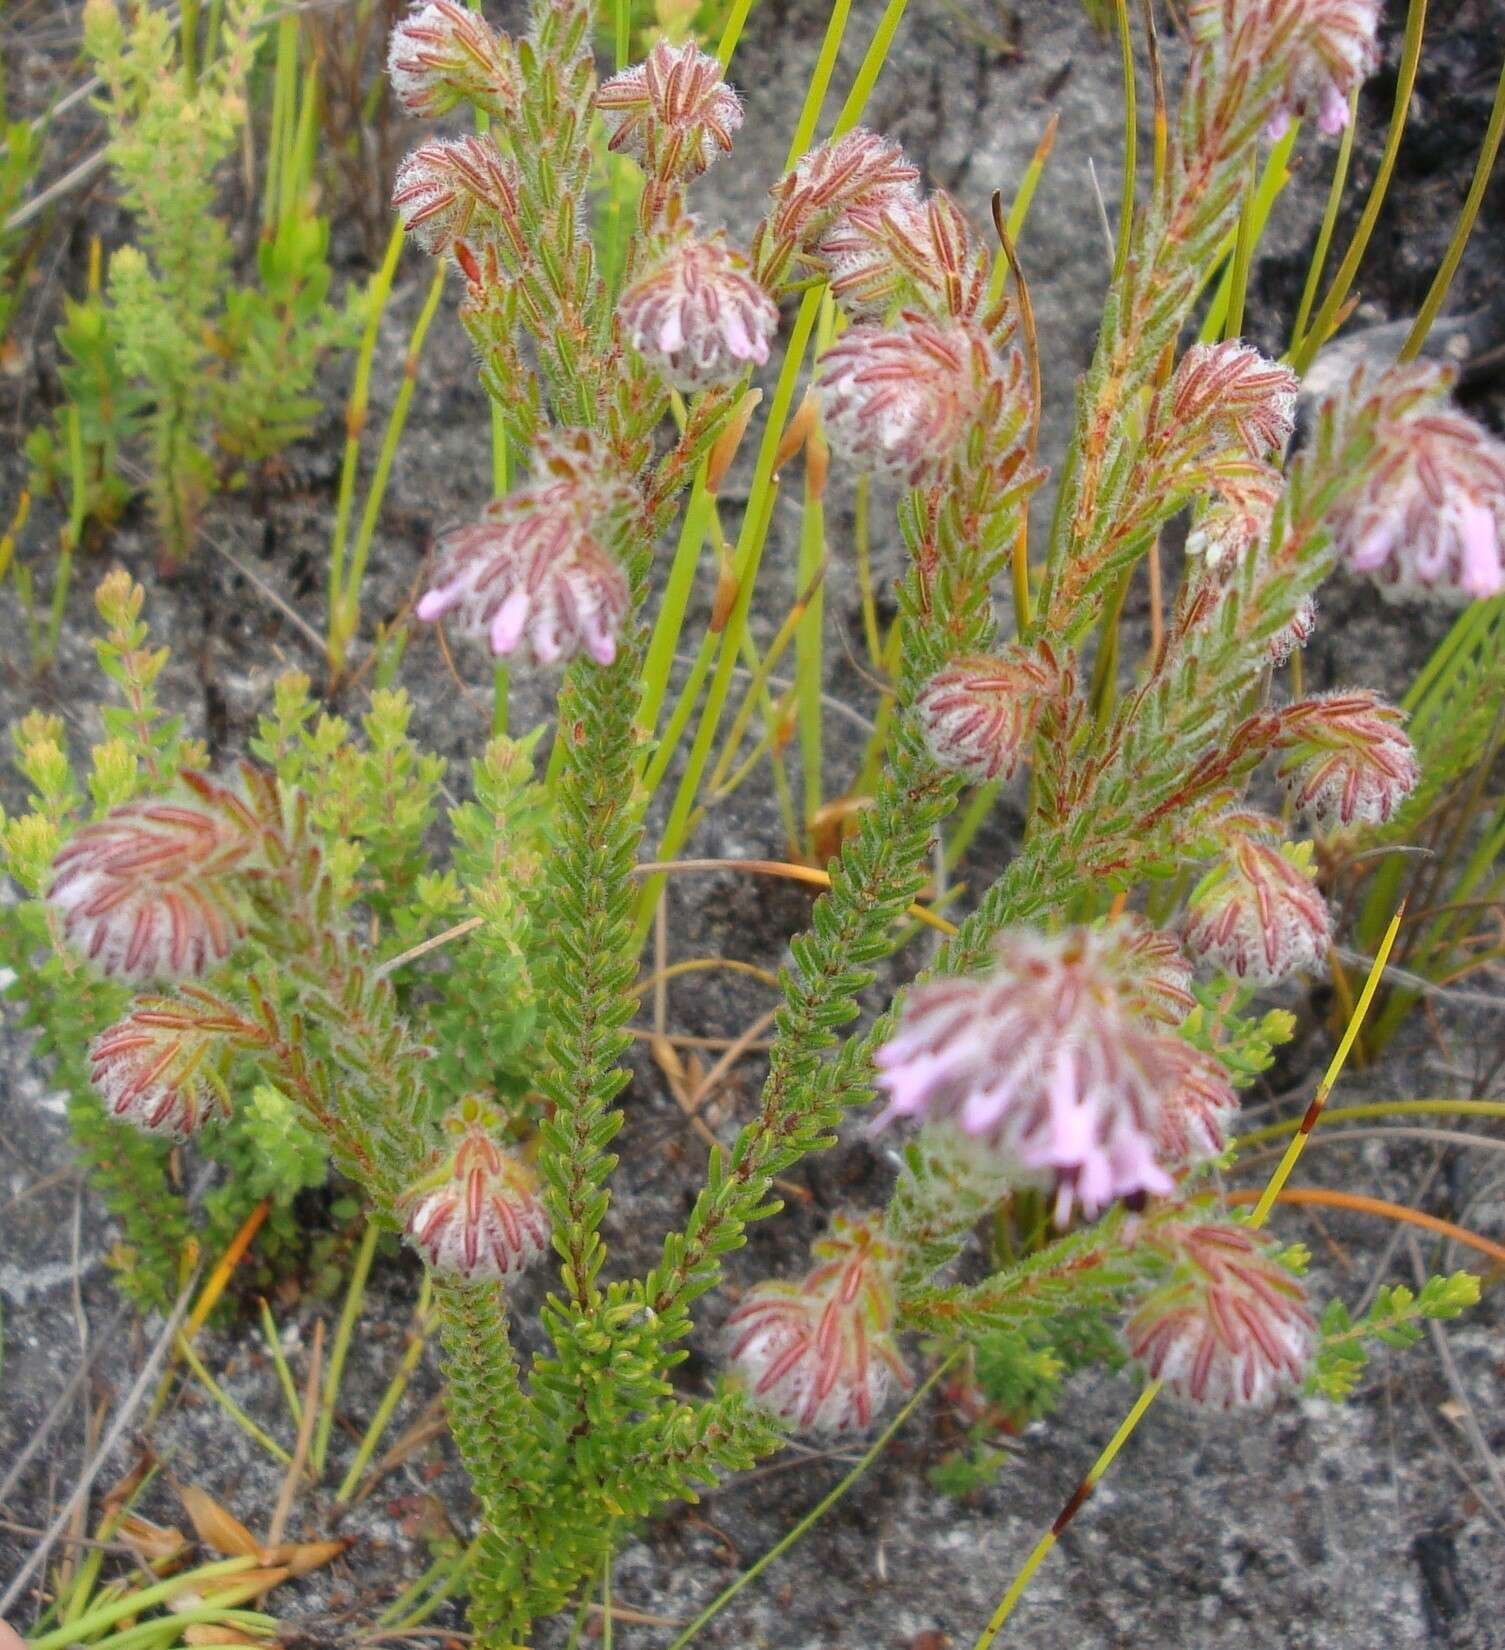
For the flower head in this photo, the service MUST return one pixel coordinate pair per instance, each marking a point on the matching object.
(1229, 393)
(1196, 1109)
(156, 1069)
(980, 713)
(1257, 914)
(1045, 1057)
(1229, 1326)
(1429, 517)
(672, 112)
(533, 569)
(477, 1213)
(880, 251)
(1325, 48)
(148, 891)
(1348, 760)
(898, 403)
(699, 319)
(820, 1354)
(446, 189)
(859, 169)
(441, 55)
(1237, 517)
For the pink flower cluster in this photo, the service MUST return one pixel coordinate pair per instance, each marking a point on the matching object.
(979, 714)
(441, 55)
(1258, 914)
(147, 891)
(897, 404)
(1229, 1327)
(698, 318)
(478, 1213)
(1429, 517)
(672, 112)
(1229, 394)
(451, 188)
(533, 571)
(820, 1354)
(1060, 1058)
(154, 1070)
(1348, 760)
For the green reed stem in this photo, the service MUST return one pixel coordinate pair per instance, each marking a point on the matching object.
(1131, 139)
(390, 1399)
(1405, 83)
(279, 1363)
(1483, 167)
(669, 625)
(355, 1294)
(1329, 223)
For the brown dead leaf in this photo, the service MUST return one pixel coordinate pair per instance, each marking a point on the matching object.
(155, 1543)
(301, 1557)
(217, 1529)
(207, 1632)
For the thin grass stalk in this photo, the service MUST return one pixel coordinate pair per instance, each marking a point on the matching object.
(1327, 316)
(1131, 139)
(1443, 279)
(669, 625)
(355, 1295)
(1329, 223)
(732, 33)
(1376, 1109)
(863, 550)
(345, 619)
(1275, 175)
(284, 83)
(393, 1395)
(279, 1363)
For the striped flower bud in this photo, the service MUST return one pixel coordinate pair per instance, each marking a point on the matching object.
(980, 713)
(1258, 914)
(1047, 1059)
(672, 112)
(477, 1213)
(897, 404)
(451, 188)
(699, 319)
(158, 1068)
(150, 890)
(442, 54)
(1429, 517)
(1348, 760)
(820, 1354)
(859, 169)
(1229, 1325)
(1196, 1110)
(1228, 393)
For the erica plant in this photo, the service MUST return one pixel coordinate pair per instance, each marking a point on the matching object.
(1050, 1050)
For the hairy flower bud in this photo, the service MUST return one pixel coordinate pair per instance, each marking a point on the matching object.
(1348, 760)
(441, 55)
(1229, 392)
(1429, 517)
(477, 1213)
(1257, 914)
(980, 713)
(156, 1069)
(699, 319)
(451, 188)
(1046, 1058)
(897, 404)
(1195, 1110)
(820, 1354)
(533, 570)
(1297, 633)
(1229, 1326)
(858, 169)
(672, 112)
(147, 891)
(1238, 516)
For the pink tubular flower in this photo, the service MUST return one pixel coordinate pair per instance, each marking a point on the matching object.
(147, 891)
(155, 1068)
(1257, 914)
(699, 319)
(478, 1213)
(820, 1354)
(672, 112)
(441, 55)
(979, 714)
(1047, 1059)
(897, 403)
(445, 189)
(1229, 1327)
(1230, 392)
(1348, 760)
(532, 569)
(1429, 517)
